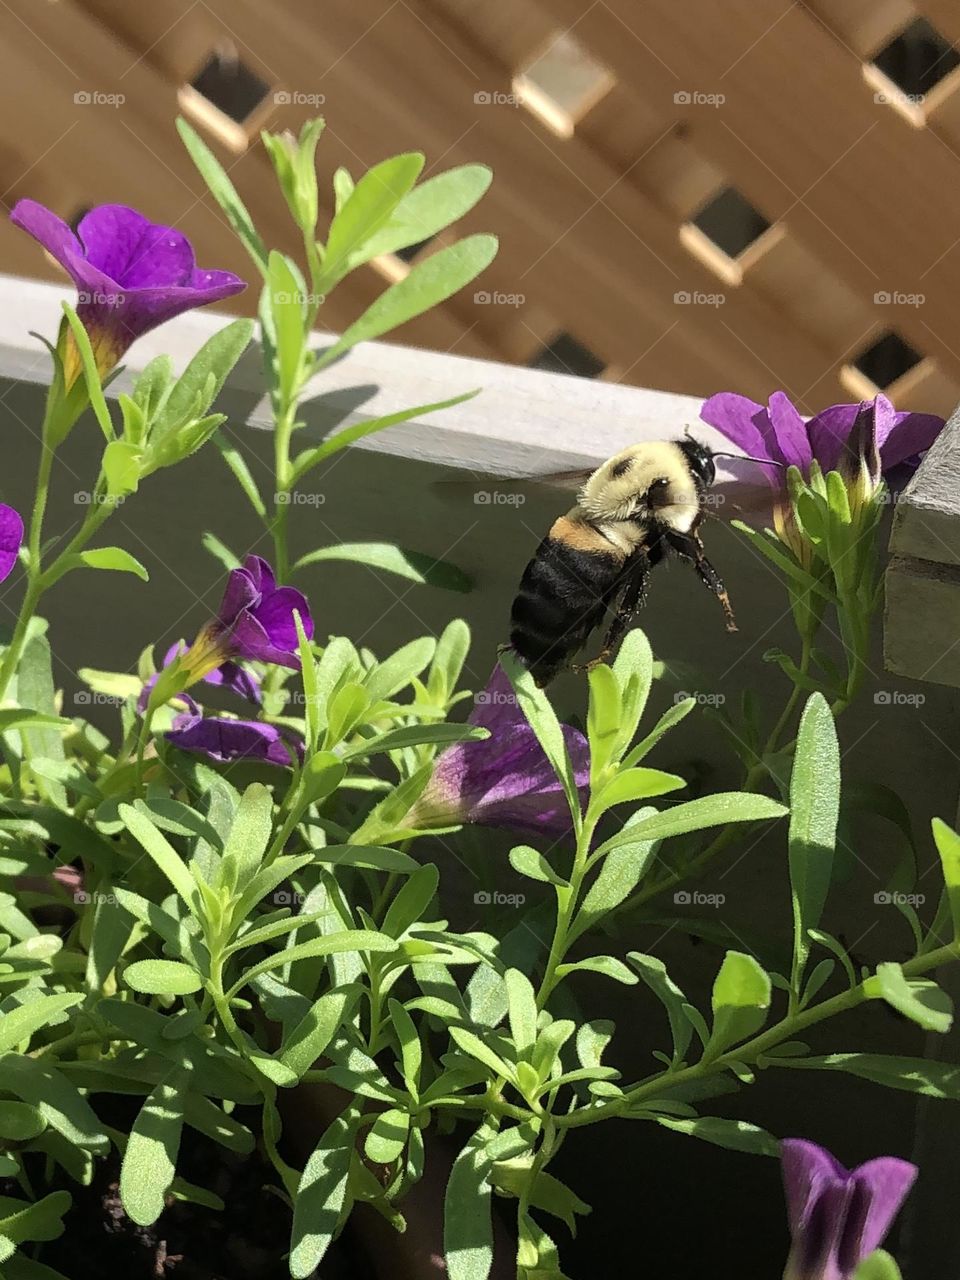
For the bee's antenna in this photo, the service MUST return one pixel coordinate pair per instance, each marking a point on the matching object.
(745, 457)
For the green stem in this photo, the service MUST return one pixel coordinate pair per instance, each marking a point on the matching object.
(281, 499)
(567, 899)
(786, 1029)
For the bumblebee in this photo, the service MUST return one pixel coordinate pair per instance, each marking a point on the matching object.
(642, 503)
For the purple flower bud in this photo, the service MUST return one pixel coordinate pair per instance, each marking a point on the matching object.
(838, 1216)
(131, 275)
(505, 780)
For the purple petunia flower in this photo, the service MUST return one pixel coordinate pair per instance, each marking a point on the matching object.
(11, 537)
(131, 275)
(838, 1216)
(779, 433)
(505, 780)
(254, 621)
(224, 740)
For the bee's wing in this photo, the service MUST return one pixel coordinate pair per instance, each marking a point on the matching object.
(470, 484)
(752, 503)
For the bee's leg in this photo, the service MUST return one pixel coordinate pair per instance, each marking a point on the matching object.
(631, 598)
(690, 548)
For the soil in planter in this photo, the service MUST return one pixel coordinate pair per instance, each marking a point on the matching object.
(247, 1240)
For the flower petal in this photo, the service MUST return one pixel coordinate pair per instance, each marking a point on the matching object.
(11, 538)
(742, 421)
(224, 740)
(829, 431)
(909, 434)
(806, 1168)
(44, 225)
(134, 251)
(880, 1188)
(275, 615)
(790, 431)
(241, 592)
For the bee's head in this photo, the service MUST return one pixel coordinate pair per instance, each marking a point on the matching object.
(700, 460)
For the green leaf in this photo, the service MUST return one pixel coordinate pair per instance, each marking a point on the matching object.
(244, 477)
(287, 306)
(429, 282)
(110, 558)
(162, 852)
(467, 1215)
(411, 565)
(735, 1135)
(428, 208)
(695, 815)
(411, 1050)
(91, 375)
(477, 1049)
(370, 857)
(220, 551)
(20, 1023)
(121, 468)
(948, 847)
(366, 210)
(387, 1136)
(918, 999)
(740, 1001)
(225, 194)
(592, 1039)
(29, 1222)
(532, 863)
(62, 1107)
(249, 836)
(913, 1075)
(19, 1122)
(815, 809)
(414, 735)
(412, 901)
(349, 435)
(604, 721)
(542, 718)
(149, 1162)
(670, 717)
(521, 1011)
(621, 871)
(393, 674)
(654, 974)
(162, 978)
(635, 784)
(202, 380)
(879, 1266)
(322, 1194)
(310, 1037)
(609, 966)
(360, 940)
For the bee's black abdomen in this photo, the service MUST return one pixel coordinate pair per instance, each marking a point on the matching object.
(562, 597)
